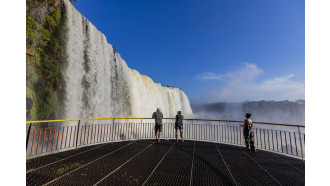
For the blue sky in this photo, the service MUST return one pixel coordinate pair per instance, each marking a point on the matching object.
(214, 50)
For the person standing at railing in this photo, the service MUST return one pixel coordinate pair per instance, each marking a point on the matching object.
(248, 133)
(179, 125)
(158, 116)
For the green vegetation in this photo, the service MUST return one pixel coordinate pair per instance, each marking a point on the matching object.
(44, 37)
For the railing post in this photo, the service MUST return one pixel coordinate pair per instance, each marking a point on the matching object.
(113, 129)
(268, 139)
(219, 133)
(28, 136)
(213, 132)
(168, 134)
(240, 135)
(302, 153)
(193, 131)
(140, 127)
(254, 136)
(221, 128)
(260, 138)
(277, 141)
(273, 139)
(265, 139)
(295, 141)
(291, 143)
(77, 134)
(232, 135)
(225, 134)
(286, 143)
(281, 141)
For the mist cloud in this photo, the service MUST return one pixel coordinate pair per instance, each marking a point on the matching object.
(246, 84)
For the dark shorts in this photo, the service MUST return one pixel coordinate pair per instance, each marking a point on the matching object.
(159, 128)
(178, 127)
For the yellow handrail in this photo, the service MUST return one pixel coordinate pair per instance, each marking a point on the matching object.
(50, 121)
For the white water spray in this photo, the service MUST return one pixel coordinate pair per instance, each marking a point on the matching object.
(100, 84)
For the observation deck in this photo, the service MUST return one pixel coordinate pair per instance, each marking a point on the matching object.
(127, 154)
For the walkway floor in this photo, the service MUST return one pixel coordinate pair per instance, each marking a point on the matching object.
(167, 163)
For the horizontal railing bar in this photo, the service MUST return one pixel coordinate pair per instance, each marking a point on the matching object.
(50, 121)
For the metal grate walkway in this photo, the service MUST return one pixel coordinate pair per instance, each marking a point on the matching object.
(167, 163)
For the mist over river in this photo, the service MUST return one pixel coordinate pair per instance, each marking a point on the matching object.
(288, 112)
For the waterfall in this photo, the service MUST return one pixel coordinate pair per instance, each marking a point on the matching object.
(100, 84)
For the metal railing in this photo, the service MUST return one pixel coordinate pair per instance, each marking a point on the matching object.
(44, 137)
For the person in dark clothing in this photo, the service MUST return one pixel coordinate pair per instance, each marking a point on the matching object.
(179, 125)
(158, 116)
(248, 133)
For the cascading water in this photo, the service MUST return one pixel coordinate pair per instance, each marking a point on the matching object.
(100, 84)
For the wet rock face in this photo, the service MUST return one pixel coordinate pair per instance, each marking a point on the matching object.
(57, 2)
(44, 38)
(114, 50)
(36, 10)
(29, 104)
